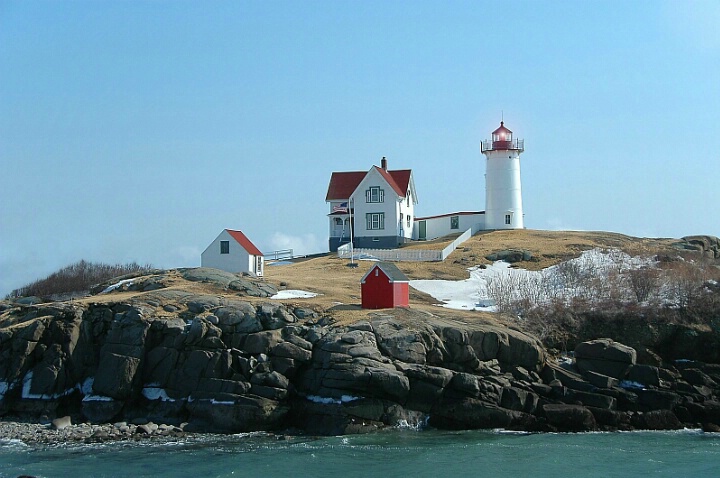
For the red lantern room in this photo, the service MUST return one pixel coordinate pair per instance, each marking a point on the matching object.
(502, 137)
(502, 140)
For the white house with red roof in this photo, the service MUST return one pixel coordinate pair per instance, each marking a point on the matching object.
(379, 204)
(232, 251)
(377, 207)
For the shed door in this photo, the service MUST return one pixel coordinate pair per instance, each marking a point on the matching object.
(422, 234)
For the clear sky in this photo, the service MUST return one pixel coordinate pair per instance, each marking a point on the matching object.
(137, 131)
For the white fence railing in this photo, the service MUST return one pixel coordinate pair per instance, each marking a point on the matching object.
(409, 255)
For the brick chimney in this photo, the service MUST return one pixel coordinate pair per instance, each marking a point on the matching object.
(383, 163)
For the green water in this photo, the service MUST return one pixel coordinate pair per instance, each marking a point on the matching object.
(392, 453)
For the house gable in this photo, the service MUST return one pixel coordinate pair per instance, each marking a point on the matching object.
(232, 251)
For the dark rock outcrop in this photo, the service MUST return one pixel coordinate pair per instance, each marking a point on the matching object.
(224, 363)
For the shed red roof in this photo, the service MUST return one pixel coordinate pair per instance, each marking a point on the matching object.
(244, 242)
(342, 184)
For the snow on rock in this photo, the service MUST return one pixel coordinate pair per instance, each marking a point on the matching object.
(293, 294)
(116, 285)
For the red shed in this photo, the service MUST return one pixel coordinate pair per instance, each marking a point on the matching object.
(384, 287)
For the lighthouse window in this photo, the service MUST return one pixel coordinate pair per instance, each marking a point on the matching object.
(507, 219)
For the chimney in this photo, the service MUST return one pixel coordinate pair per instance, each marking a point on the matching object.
(383, 163)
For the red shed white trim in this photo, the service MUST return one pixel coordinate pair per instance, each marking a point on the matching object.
(384, 287)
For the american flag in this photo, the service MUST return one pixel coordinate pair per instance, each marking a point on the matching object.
(342, 207)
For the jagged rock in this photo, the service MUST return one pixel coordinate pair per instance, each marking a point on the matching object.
(115, 375)
(101, 409)
(236, 414)
(645, 374)
(570, 418)
(274, 316)
(398, 341)
(471, 413)
(661, 420)
(510, 255)
(253, 288)
(292, 351)
(606, 357)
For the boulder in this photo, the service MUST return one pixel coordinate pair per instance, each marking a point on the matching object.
(606, 357)
(569, 418)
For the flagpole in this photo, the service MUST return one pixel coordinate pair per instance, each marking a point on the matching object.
(352, 253)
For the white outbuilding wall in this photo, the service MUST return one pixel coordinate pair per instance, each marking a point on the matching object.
(442, 225)
(236, 260)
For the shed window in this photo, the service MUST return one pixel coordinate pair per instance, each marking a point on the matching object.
(224, 247)
(454, 222)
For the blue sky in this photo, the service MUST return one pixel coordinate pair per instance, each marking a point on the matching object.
(137, 131)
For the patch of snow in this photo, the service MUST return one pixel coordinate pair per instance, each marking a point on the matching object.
(86, 387)
(293, 294)
(222, 402)
(116, 285)
(499, 279)
(97, 398)
(329, 400)
(629, 384)
(156, 393)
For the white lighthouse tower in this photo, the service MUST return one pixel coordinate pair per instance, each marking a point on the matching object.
(503, 194)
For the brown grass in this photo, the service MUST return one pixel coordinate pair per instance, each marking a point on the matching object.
(338, 285)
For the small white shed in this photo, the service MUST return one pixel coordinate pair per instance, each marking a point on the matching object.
(232, 251)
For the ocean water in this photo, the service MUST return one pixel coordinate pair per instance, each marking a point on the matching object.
(399, 452)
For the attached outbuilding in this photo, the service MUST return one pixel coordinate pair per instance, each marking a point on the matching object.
(232, 251)
(385, 287)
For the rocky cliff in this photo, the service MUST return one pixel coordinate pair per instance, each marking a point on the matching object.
(229, 359)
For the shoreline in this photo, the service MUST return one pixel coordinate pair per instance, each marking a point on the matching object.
(44, 432)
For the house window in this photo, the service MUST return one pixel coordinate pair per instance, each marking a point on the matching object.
(224, 247)
(408, 220)
(338, 221)
(407, 198)
(375, 220)
(507, 219)
(375, 194)
(454, 222)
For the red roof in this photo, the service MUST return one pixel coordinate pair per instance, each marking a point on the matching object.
(502, 129)
(343, 184)
(245, 242)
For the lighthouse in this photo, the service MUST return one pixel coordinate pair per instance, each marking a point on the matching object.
(503, 193)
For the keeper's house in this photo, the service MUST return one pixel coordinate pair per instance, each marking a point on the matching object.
(232, 251)
(385, 287)
(376, 206)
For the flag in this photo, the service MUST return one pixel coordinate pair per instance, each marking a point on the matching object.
(343, 207)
